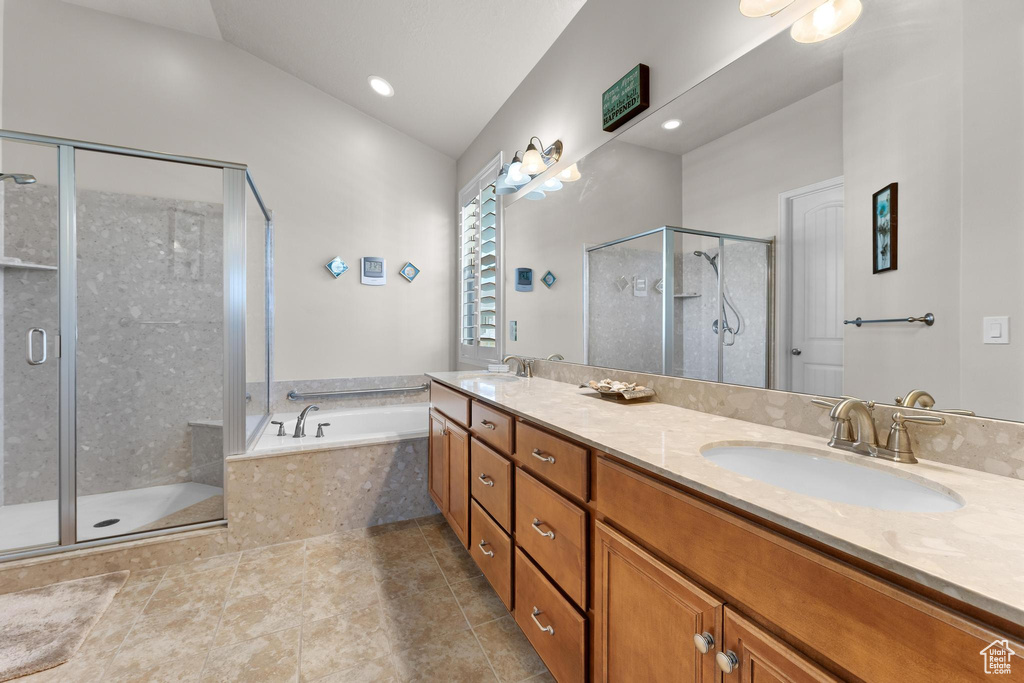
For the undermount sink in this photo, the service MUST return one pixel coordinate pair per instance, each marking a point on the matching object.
(491, 377)
(835, 480)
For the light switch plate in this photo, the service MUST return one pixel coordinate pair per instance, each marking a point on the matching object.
(996, 329)
(513, 330)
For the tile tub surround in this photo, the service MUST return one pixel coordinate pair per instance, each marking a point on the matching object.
(396, 602)
(280, 403)
(973, 554)
(127, 373)
(977, 443)
(288, 496)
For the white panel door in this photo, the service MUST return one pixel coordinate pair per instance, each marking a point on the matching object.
(817, 332)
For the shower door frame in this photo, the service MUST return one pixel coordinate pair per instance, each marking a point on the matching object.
(668, 309)
(236, 178)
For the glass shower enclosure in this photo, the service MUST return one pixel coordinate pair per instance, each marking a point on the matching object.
(681, 302)
(136, 312)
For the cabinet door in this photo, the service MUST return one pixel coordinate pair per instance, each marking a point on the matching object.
(646, 615)
(458, 481)
(752, 655)
(437, 470)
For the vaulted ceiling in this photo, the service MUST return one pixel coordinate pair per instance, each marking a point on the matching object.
(452, 62)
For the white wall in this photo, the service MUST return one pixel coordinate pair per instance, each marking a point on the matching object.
(340, 182)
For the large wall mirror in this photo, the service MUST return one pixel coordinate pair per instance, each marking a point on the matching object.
(876, 175)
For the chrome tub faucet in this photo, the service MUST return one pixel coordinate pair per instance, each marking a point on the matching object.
(300, 424)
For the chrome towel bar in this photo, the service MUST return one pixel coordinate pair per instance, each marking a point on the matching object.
(927, 319)
(295, 396)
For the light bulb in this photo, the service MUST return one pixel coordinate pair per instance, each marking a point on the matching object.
(515, 173)
(827, 20)
(552, 185)
(533, 163)
(380, 86)
(671, 124)
(763, 8)
(569, 175)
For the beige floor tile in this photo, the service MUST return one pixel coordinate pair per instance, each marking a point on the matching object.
(250, 616)
(84, 667)
(376, 671)
(415, 619)
(397, 545)
(203, 564)
(385, 529)
(182, 670)
(277, 550)
(166, 636)
(410, 574)
(138, 576)
(457, 564)
(452, 657)
(436, 518)
(273, 658)
(508, 650)
(440, 535)
(344, 593)
(202, 591)
(341, 642)
(478, 600)
(545, 677)
(267, 574)
(324, 562)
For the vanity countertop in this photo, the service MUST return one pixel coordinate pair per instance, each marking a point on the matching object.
(974, 554)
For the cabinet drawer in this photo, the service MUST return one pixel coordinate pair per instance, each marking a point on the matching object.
(492, 427)
(561, 462)
(492, 550)
(450, 402)
(760, 656)
(865, 626)
(551, 624)
(554, 533)
(491, 479)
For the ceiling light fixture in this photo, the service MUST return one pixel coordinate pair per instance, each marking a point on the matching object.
(671, 124)
(763, 8)
(380, 86)
(829, 19)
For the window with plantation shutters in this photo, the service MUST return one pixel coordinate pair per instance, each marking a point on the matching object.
(479, 247)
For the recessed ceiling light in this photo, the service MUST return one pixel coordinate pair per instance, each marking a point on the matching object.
(671, 124)
(380, 86)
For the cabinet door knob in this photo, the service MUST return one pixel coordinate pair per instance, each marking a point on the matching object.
(485, 480)
(727, 661)
(550, 630)
(705, 642)
(536, 527)
(484, 550)
(539, 454)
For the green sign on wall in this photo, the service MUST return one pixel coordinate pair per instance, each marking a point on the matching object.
(629, 96)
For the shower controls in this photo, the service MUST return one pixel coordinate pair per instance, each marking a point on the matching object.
(320, 429)
(280, 427)
(373, 270)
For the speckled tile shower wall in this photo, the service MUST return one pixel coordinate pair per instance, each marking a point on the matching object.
(150, 339)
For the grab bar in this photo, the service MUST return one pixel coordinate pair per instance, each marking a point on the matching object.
(295, 396)
(927, 319)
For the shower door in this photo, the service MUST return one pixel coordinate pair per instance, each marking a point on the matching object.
(30, 384)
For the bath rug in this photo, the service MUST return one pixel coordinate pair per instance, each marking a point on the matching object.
(41, 628)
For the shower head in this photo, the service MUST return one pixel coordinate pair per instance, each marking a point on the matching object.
(710, 259)
(19, 178)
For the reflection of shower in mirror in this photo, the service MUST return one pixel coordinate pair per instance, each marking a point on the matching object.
(727, 327)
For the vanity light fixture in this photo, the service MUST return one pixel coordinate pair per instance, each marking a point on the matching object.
(536, 161)
(380, 86)
(569, 175)
(552, 184)
(763, 8)
(502, 184)
(671, 124)
(535, 195)
(827, 20)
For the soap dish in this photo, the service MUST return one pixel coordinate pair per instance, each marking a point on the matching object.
(620, 391)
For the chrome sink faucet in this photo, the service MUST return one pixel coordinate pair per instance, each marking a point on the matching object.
(300, 424)
(525, 366)
(854, 430)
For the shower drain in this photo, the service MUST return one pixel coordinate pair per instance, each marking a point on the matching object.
(106, 522)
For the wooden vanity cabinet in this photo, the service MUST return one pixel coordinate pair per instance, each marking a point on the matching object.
(756, 656)
(448, 471)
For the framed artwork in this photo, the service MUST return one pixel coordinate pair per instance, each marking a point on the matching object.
(884, 231)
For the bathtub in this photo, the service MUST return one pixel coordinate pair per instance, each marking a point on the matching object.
(348, 427)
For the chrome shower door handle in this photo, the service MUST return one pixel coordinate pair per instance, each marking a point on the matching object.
(30, 355)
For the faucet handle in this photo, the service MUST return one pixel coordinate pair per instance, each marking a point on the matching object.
(280, 427)
(320, 429)
(900, 418)
(897, 446)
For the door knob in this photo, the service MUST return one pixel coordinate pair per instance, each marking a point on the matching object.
(796, 352)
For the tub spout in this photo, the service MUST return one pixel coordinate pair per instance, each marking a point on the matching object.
(300, 424)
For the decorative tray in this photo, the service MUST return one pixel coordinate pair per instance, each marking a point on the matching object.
(626, 392)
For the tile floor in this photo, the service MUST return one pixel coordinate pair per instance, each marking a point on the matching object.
(400, 602)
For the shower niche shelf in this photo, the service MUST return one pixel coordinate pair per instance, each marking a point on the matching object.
(11, 262)
(686, 295)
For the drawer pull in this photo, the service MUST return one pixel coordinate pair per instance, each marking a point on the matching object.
(539, 454)
(484, 478)
(488, 553)
(705, 642)
(727, 661)
(536, 527)
(488, 424)
(550, 630)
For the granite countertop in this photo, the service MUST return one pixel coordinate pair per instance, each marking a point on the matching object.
(974, 554)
